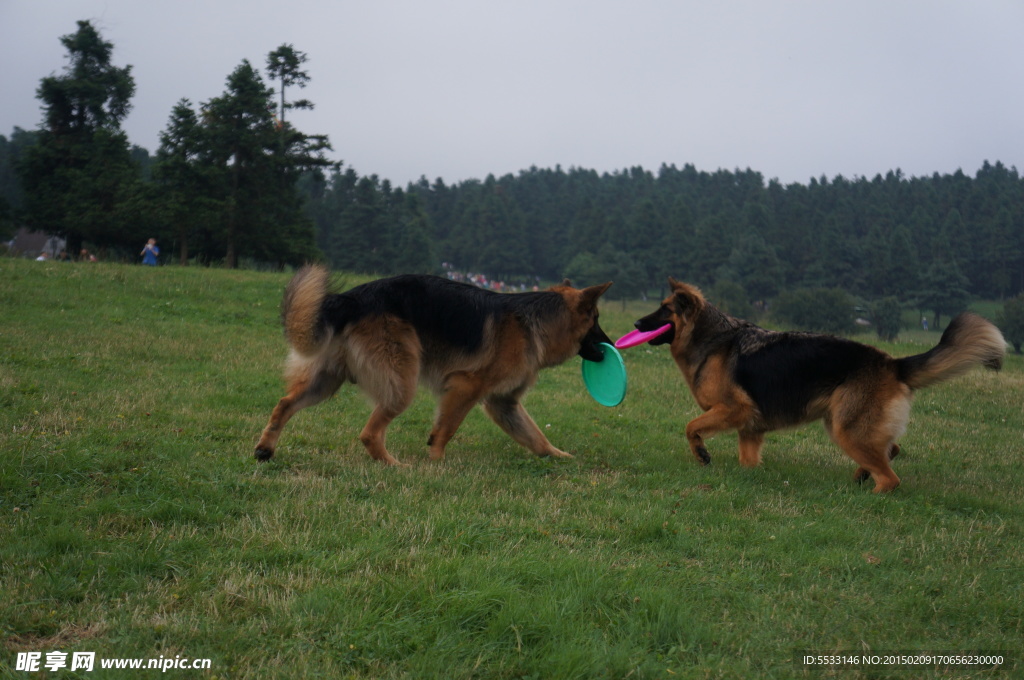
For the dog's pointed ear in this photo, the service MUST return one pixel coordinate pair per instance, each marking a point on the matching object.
(589, 296)
(673, 284)
(566, 282)
(686, 299)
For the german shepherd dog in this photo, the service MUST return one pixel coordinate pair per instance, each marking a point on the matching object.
(465, 343)
(754, 381)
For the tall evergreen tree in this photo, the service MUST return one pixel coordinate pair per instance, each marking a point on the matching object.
(79, 180)
(943, 291)
(242, 140)
(187, 203)
(283, 65)
(259, 162)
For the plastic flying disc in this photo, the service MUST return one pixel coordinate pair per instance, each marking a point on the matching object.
(606, 379)
(634, 338)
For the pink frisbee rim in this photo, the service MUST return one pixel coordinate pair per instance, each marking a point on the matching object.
(634, 338)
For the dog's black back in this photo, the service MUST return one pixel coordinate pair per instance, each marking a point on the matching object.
(785, 373)
(453, 313)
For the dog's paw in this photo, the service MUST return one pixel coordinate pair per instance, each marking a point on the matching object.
(861, 475)
(703, 455)
(263, 454)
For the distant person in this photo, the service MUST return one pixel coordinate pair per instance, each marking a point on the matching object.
(43, 257)
(924, 322)
(150, 252)
(86, 256)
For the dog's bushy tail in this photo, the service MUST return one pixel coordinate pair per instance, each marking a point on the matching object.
(301, 311)
(969, 340)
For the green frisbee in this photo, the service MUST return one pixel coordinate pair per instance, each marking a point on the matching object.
(606, 379)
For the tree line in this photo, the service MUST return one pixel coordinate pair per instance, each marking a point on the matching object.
(233, 178)
(932, 243)
(889, 235)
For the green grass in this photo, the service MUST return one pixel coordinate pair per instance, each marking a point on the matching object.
(134, 521)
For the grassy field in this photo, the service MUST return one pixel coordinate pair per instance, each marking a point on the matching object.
(134, 521)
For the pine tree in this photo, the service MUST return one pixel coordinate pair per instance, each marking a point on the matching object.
(79, 180)
(258, 161)
(283, 64)
(241, 135)
(186, 202)
(943, 290)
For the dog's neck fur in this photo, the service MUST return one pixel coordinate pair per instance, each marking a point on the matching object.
(709, 323)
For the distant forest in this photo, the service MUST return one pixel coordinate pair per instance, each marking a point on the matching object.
(890, 235)
(234, 183)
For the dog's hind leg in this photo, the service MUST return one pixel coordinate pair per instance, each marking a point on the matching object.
(384, 360)
(866, 424)
(875, 461)
(870, 449)
(862, 475)
(390, 381)
(392, 394)
(302, 393)
(373, 434)
(507, 411)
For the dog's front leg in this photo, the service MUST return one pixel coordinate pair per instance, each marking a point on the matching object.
(511, 417)
(373, 435)
(717, 419)
(750, 448)
(460, 394)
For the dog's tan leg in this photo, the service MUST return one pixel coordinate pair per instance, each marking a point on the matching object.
(876, 463)
(866, 429)
(373, 435)
(750, 449)
(509, 414)
(301, 395)
(862, 475)
(392, 393)
(717, 419)
(872, 456)
(384, 360)
(461, 393)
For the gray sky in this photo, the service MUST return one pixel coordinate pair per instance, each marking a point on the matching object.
(459, 89)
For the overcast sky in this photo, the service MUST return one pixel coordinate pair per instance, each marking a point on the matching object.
(459, 89)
